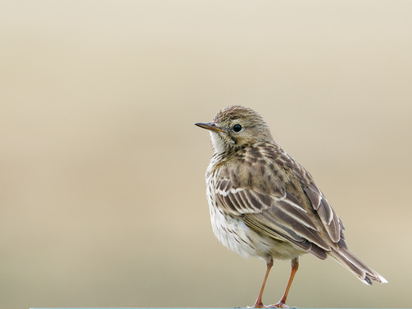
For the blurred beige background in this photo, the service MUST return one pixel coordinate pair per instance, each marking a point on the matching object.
(102, 169)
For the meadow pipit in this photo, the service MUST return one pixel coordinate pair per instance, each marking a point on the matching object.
(265, 204)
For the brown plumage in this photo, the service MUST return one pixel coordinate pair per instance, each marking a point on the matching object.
(264, 203)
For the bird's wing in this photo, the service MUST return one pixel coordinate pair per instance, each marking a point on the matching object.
(278, 213)
(329, 218)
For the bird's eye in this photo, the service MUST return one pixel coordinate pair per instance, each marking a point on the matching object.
(237, 127)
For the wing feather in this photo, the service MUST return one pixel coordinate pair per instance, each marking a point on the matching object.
(326, 214)
(270, 207)
(280, 216)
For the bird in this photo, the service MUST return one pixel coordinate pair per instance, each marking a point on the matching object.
(264, 204)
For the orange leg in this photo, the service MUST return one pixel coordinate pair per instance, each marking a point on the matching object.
(258, 302)
(281, 303)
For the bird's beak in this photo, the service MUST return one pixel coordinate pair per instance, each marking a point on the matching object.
(209, 126)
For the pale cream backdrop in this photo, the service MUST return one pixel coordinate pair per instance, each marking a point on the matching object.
(102, 169)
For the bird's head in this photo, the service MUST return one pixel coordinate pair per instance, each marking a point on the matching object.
(235, 126)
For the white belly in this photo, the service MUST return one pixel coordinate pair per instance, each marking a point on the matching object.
(234, 234)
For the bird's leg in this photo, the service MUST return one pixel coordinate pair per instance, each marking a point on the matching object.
(281, 303)
(258, 302)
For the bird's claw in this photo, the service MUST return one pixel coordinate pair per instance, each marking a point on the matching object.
(278, 305)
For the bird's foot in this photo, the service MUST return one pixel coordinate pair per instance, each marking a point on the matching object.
(258, 304)
(279, 305)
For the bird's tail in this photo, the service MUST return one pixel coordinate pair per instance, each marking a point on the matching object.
(356, 266)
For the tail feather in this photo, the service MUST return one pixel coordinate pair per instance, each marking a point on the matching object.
(356, 266)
